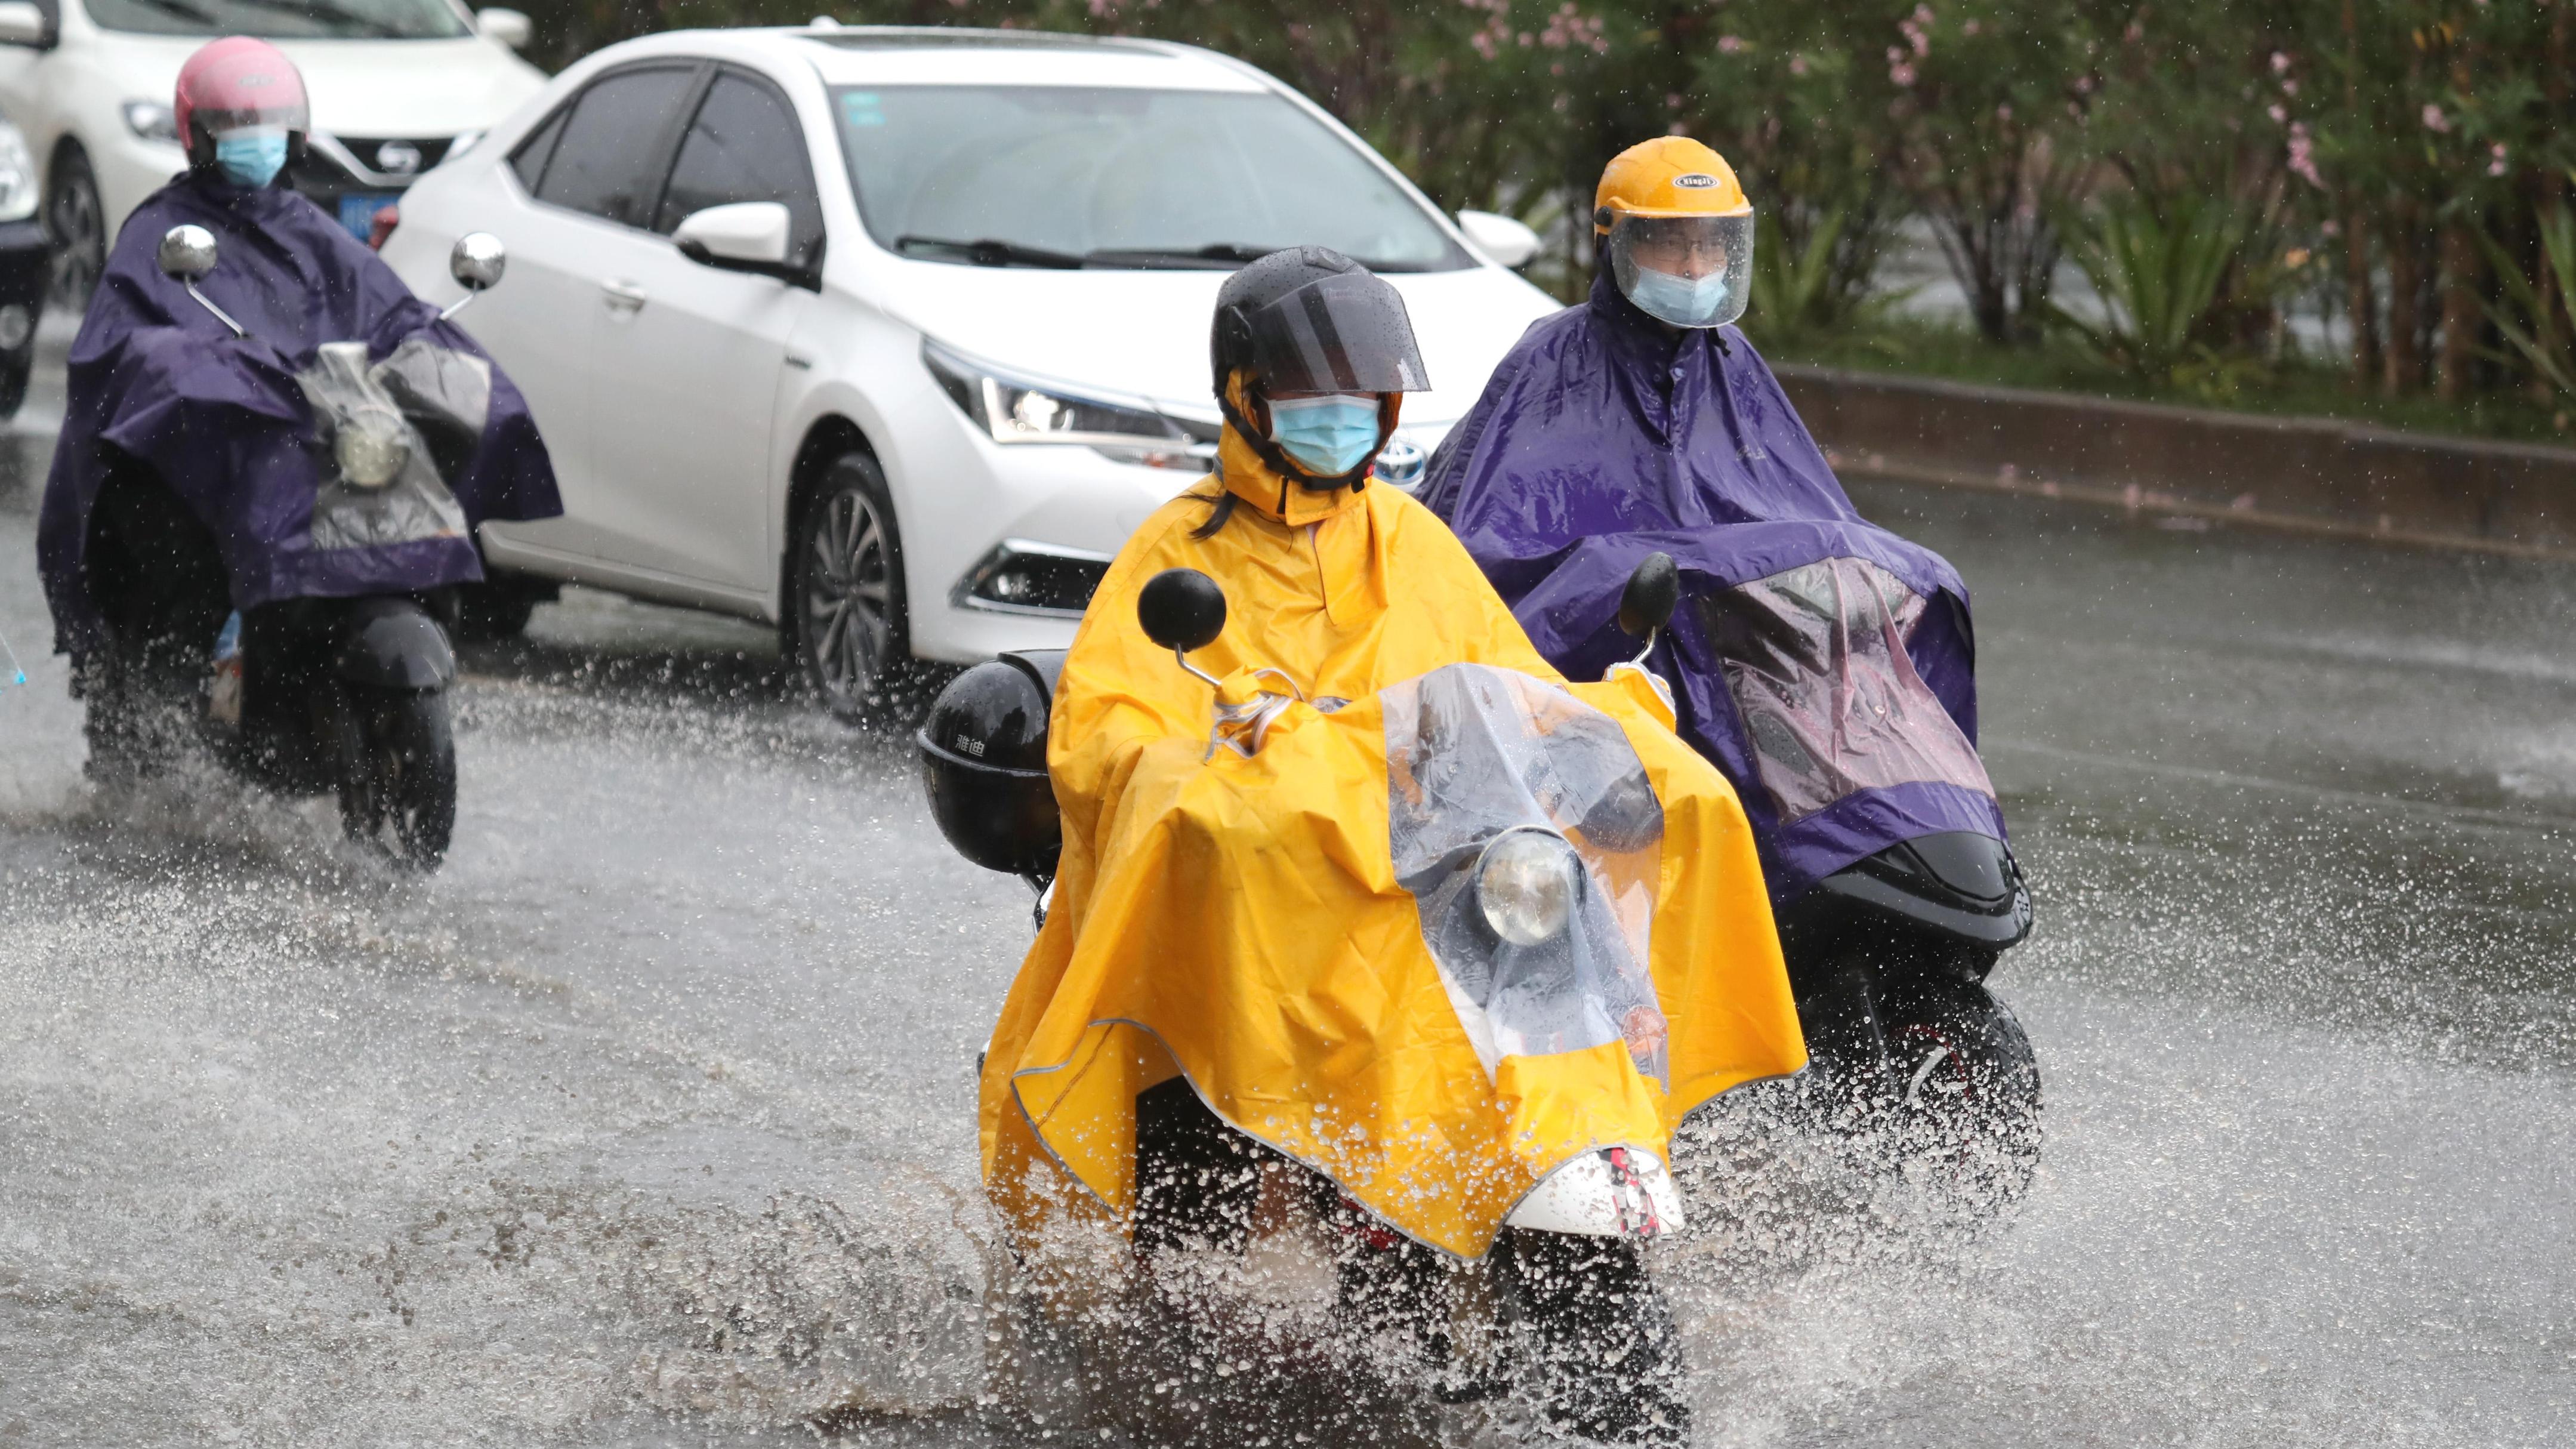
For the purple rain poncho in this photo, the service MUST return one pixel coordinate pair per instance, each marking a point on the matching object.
(226, 423)
(1825, 664)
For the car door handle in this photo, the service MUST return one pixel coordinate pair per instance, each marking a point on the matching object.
(622, 296)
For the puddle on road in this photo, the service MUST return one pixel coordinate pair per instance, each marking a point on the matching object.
(650, 1119)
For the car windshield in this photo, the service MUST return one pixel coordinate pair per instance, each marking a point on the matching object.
(1103, 177)
(285, 19)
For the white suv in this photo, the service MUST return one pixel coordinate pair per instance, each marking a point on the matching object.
(892, 336)
(396, 85)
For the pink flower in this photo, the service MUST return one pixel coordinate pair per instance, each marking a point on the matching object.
(2004, 111)
(1797, 65)
(2289, 88)
(2279, 115)
(1730, 44)
(1901, 73)
(2280, 63)
(2303, 155)
(2495, 159)
(1971, 28)
(2435, 121)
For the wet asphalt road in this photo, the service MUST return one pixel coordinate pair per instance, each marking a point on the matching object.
(649, 1119)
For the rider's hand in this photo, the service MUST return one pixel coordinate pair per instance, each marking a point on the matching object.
(1255, 706)
(1646, 687)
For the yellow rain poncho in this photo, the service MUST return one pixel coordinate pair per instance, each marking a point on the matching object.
(1241, 920)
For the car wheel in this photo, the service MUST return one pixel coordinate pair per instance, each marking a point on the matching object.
(15, 369)
(494, 610)
(845, 595)
(76, 223)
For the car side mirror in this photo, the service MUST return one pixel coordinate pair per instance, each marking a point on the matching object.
(23, 23)
(510, 27)
(1646, 605)
(1181, 609)
(741, 236)
(1507, 241)
(477, 262)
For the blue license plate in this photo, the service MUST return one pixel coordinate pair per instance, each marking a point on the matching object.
(358, 212)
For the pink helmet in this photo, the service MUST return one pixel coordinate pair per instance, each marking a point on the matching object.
(236, 82)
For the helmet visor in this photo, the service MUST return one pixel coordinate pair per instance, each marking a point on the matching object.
(1337, 334)
(1690, 271)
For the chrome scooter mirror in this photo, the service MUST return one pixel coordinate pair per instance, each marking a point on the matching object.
(476, 262)
(1647, 604)
(188, 253)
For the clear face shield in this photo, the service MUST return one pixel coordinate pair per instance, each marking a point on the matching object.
(1690, 271)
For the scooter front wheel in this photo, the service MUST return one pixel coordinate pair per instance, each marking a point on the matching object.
(1967, 1085)
(397, 769)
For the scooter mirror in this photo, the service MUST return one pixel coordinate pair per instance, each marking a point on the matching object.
(1653, 590)
(187, 252)
(1181, 609)
(478, 261)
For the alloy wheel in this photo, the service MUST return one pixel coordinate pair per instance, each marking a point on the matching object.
(849, 599)
(77, 223)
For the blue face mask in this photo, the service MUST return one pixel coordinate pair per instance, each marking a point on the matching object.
(1328, 436)
(1679, 300)
(251, 158)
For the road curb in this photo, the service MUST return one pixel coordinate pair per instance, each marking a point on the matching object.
(2301, 475)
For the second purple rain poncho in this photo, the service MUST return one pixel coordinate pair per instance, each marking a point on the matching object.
(228, 423)
(1825, 664)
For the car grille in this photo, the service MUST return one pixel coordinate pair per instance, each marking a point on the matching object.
(374, 163)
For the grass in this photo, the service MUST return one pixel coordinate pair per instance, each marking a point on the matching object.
(2296, 388)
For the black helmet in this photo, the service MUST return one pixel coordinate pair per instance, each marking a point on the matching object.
(1309, 319)
(983, 763)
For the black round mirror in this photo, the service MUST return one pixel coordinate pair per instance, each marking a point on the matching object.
(1181, 609)
(1653, 590)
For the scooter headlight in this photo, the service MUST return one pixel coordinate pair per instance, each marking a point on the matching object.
(1526, 884)
(371, 446)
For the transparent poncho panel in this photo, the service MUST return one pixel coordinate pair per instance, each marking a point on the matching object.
(1474, 752)
(1816, 663)
(437, 397)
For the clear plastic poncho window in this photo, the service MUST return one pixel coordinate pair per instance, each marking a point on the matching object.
(1816, 663)
(387, 435)
(1475, 753)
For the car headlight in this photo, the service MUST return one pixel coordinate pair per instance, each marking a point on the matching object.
(17, 175)
(1015, 410)
(151, 120)
(371, 447)
(1526, 884)
(461, 145)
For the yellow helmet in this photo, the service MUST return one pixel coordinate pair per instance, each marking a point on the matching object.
(1678, 232)
(1667, 176)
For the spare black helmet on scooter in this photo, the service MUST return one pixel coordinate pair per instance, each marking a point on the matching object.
(1308, 319)
(983, 762)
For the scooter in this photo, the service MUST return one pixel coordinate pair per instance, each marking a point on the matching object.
(310, 695)
(1889, 957)
(1561, 1311)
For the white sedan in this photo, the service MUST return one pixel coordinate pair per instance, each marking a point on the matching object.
(892, 336)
